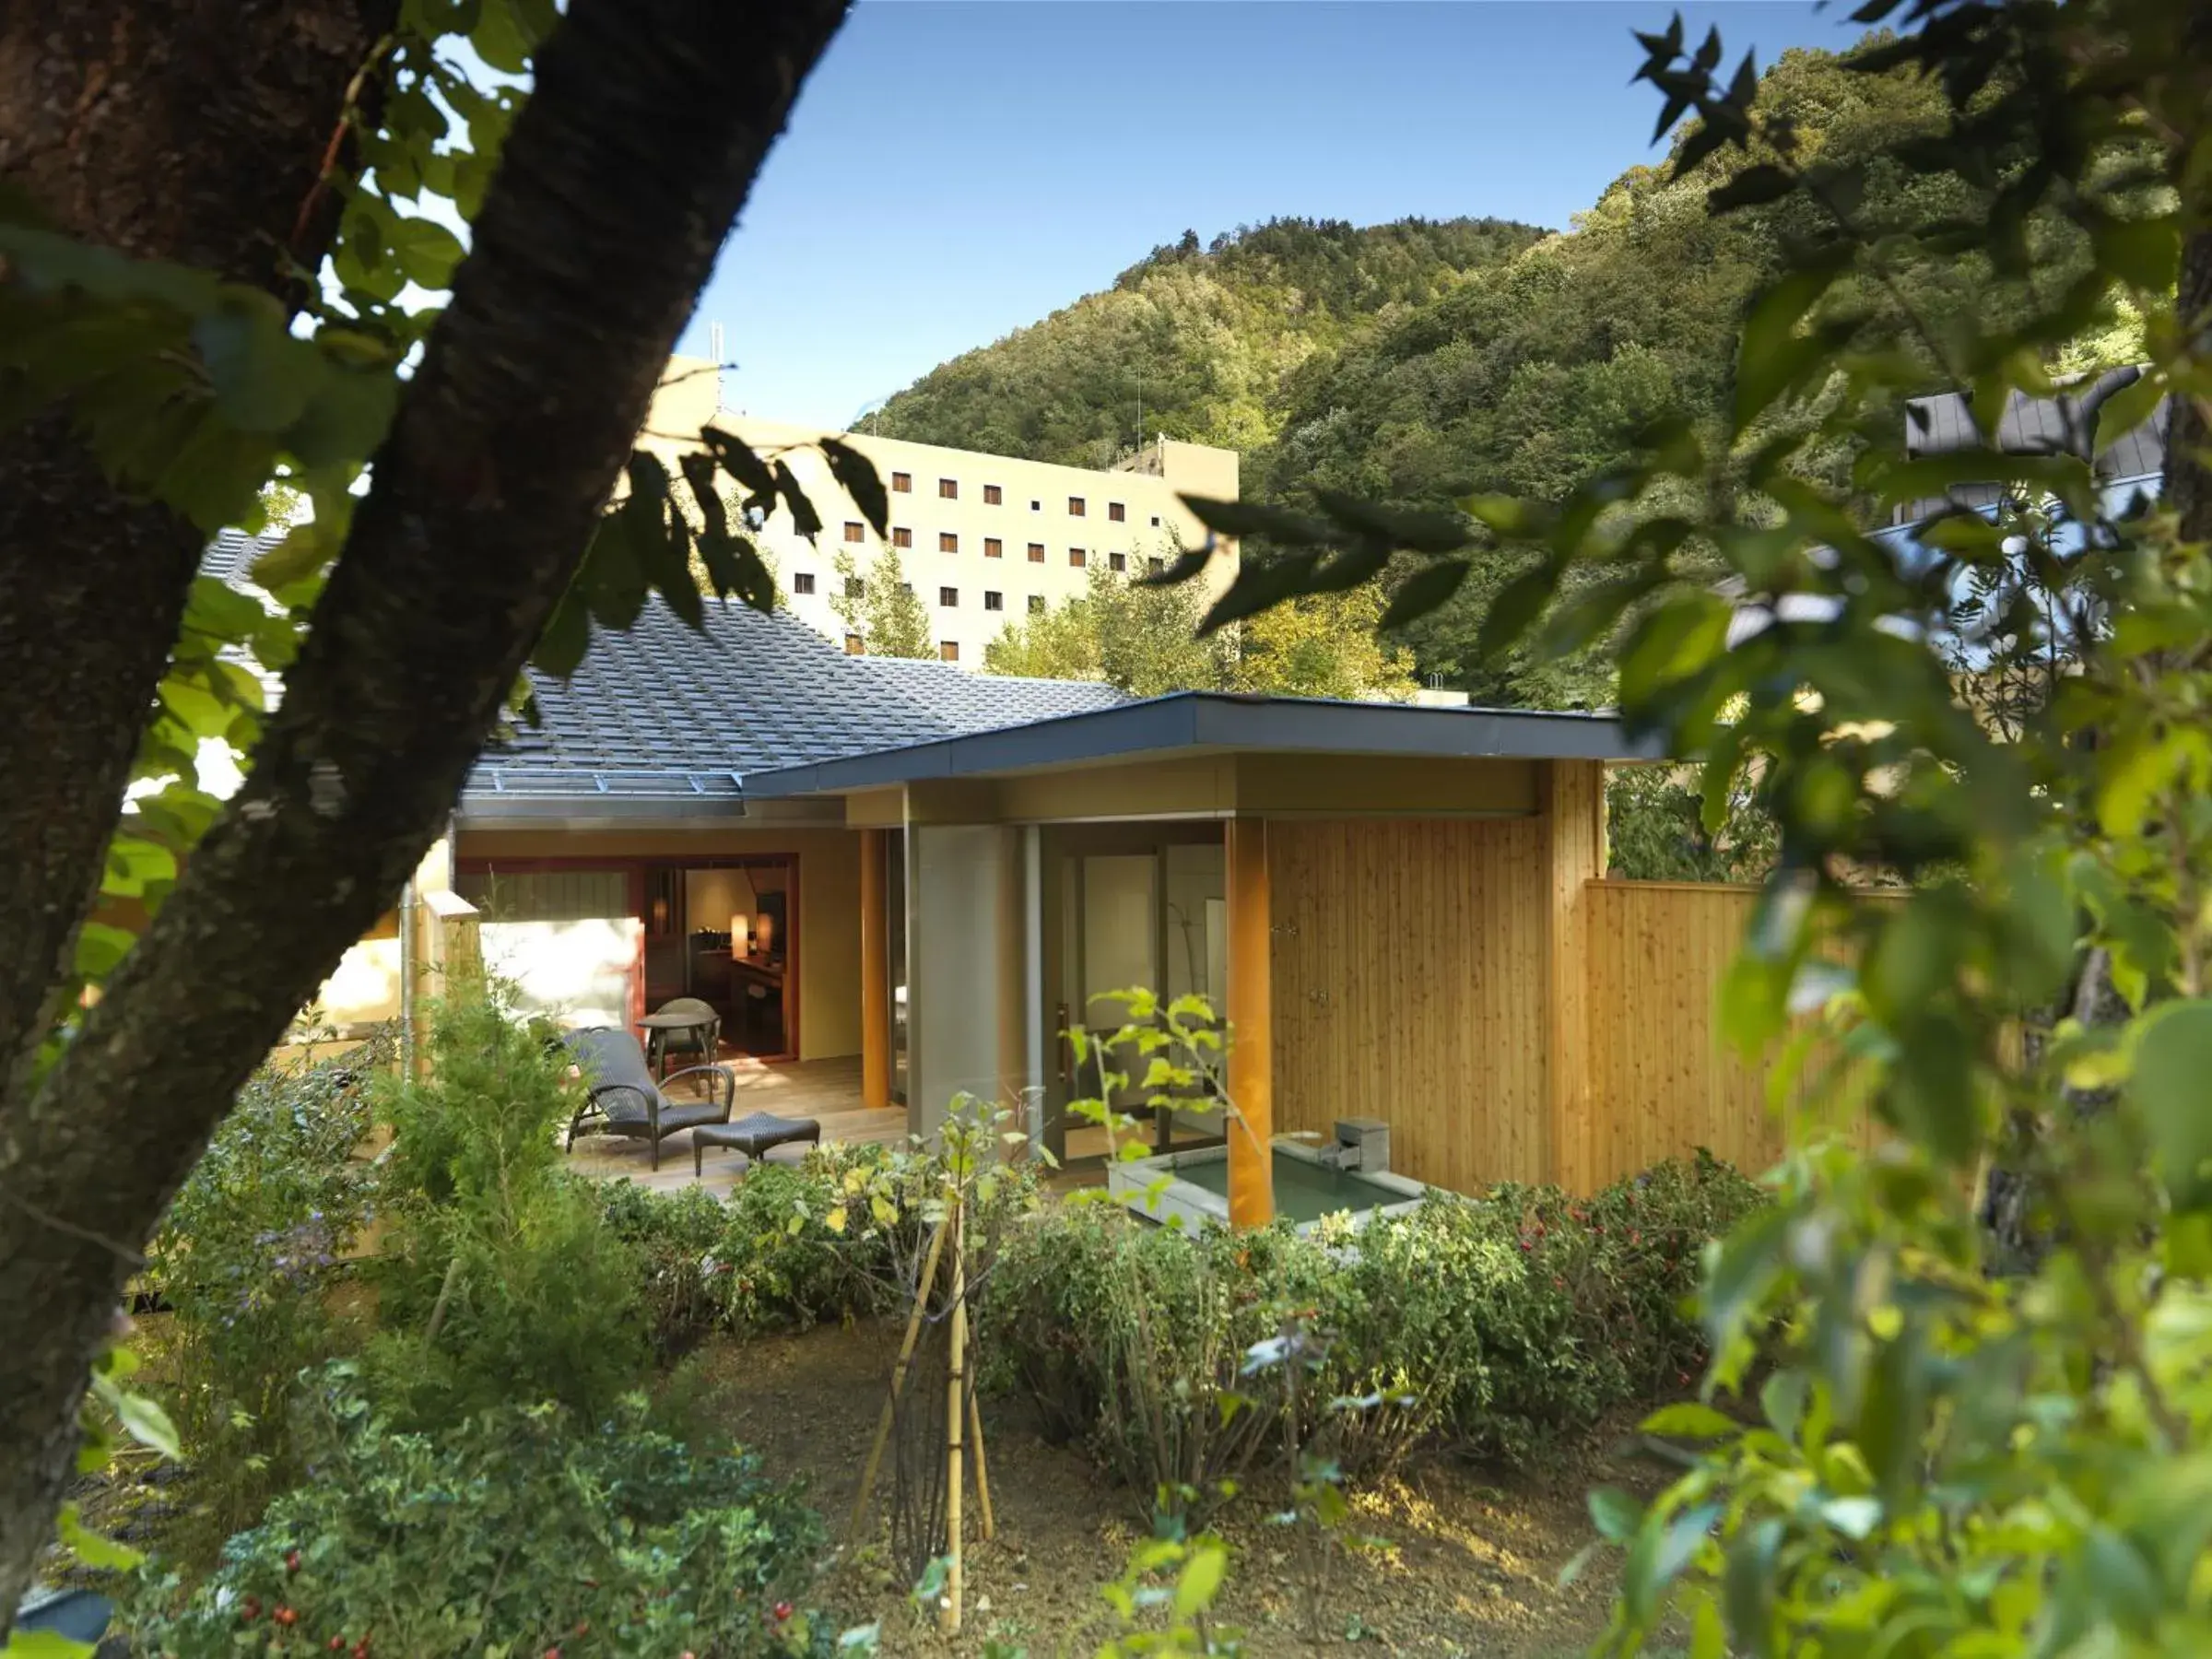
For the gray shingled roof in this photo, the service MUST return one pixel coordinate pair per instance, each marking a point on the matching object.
(659, 708)
(1943, 422)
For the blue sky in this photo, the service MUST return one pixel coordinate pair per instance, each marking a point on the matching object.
(956, 170)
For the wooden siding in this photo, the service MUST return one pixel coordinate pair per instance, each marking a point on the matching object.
(1410, 984)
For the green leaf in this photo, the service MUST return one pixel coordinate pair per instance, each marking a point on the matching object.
(1201, 1578)
(1662, 1549)
(262, 377)
(142, 1418)
(1753, 187)
(1516, 609)
(507, 33)
(1771, 355)
(1254, 518)
(567, 633)
(1614, 1514)
(2172, 1089)
(93, 1549)
(425, 250)
(44, 1644)
(1691, 1419)
(1748, 1585)
(100, 946)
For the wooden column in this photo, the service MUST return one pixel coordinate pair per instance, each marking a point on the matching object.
(1574, 813)
(875, 976)
(1250, 1127)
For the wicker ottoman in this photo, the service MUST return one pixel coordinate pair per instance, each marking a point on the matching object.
(752, 1135)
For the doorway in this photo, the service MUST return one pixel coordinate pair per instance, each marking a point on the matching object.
(739, 951)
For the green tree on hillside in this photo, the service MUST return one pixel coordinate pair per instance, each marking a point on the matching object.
(881, 606)
(1143, 640)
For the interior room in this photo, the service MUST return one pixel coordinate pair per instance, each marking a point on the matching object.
(721, 932)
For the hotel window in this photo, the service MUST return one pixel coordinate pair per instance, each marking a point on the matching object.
(949, 650)
(1155, 565)
(1036, 506)
(994, 601)
(1156, 520)
(948, 542)
(948, 489)
(1074, 506)
(902, 483)
(906, 587)
(852, 645)
(803, 583)
(1036, 552)
(1116, 512)
(1074, 557)
(855, 587)
(854, 531)
(1117, 561)
(949, 597)
(901, 536)
(993, 495)
(1036, 605)
(994, 548)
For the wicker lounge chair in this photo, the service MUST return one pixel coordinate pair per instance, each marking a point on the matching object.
(624, 1098)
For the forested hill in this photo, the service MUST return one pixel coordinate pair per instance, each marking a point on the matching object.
(1200, 336)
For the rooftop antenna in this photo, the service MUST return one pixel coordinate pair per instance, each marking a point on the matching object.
(714, 351)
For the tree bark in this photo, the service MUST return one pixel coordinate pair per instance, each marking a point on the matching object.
(190, 131)
(648, 122)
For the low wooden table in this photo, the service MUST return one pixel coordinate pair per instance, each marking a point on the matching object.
(752, 1135)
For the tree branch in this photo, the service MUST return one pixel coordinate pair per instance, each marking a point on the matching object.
(648, 124)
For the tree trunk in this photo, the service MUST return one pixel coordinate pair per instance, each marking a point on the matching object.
(648, 122)
(190, 131)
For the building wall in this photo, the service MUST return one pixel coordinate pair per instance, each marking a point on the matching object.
(828, 906)
(1410, 985)
(1034, 507)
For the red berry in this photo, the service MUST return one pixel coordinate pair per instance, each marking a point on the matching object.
(336, 1644)
(583, 1627)
(552, 1653)
(782, 1611)
(360, 1649)
(291, 1561)
(286, 1616)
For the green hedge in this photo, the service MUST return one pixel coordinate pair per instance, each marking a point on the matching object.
(1496, 1326)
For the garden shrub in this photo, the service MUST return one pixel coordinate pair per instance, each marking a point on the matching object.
(244, 1260)
(517, 1531)
(498, 1278)
(1497, 1326)
(676, 1236)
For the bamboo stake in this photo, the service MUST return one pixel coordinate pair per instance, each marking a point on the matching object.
(982, 1475)
(906, 1355)
(956, 1403)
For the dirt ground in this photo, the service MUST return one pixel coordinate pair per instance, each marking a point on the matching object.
(1466, 1567)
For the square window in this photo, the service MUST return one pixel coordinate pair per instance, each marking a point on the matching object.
(948, 542)
(949, 597)
(1156, 520)
(901, 536)
(906, 587)
(949, 650)
(902, 483)
(803, 583)
(854, 532)
(1155, 565)
(1036, 552)
(1074, 506)
(1116, 511)
(994, 548)
(1119, 561)
(1036, 506)
(1036, 605)
(852, 645)
(948, 489)
(992, 495)
(994, 601)
(1074, 557)
(855, 587)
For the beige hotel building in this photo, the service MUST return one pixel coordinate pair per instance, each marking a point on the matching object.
(983, 539)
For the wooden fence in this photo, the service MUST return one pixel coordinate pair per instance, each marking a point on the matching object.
(1662, 1080)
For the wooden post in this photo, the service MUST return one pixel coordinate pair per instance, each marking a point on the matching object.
(1250, 1127)
(875, 976)
(906, 1357)
(983, 1474)
(956, 1418)
(1574, 813)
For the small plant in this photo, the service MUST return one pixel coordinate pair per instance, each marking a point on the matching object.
(519, 1531)
(500, 1278)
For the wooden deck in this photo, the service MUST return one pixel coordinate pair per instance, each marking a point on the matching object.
(825, 1090)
